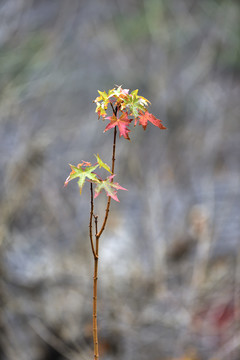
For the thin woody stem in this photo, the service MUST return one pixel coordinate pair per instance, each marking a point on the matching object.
(109, 198)
(96, 224)
(96, 248)
(90, 222)
(114, 110)
(95, 278)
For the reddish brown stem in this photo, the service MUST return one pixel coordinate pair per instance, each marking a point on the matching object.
(109, 198)
(96, 248)
(90, 221)
(95, 278)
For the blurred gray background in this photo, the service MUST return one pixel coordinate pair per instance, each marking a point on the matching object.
(169, 277)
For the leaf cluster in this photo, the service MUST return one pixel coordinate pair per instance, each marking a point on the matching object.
(85, 171)
(126, 106)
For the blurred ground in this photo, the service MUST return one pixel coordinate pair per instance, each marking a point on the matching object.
(169, 282)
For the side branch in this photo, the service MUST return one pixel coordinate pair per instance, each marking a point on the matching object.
(96, 227)
(109, 198)
(95, 280)
(90, 222)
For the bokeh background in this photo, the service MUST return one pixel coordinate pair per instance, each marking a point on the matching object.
(169, 277)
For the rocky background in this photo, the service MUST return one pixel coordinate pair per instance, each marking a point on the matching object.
(169, 281)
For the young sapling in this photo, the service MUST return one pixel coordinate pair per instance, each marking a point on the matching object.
(126, 107)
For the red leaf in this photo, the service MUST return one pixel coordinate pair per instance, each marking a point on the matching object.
(110, 187)
(145, 117)
(122, 123)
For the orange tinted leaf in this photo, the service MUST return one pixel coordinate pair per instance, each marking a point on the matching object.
(143, 119)
(122, 123)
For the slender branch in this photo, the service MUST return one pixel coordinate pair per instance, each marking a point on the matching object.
(96, 225)
(95, 250)
(114, 149)
(90, 222)
(95, 279)
(113, 108)
(109, 198)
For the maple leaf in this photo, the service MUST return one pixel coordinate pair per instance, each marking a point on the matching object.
(116, 96)
(101, 110)
(110, 187)
(83, 172)
(84, 163)
(143, 119)
(122, 123)
(102, 102)
(119, 93)
(136, 103)
(102, 164)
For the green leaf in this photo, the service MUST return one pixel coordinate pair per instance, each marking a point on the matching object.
(83, 173)
(136, 103)
(102, 102)
(103, 95)
(134, 93)
(102, 164)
